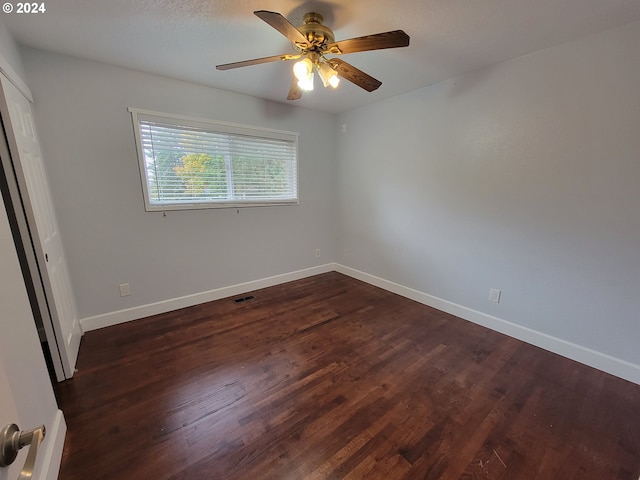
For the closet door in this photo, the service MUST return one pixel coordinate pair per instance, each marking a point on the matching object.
(32, 183)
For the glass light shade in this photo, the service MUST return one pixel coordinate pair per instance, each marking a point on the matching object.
(328, 75)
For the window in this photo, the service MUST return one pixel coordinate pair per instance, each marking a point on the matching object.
(189, 163)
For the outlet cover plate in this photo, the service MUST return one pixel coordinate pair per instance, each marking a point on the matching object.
(494, 295)
(125, 290)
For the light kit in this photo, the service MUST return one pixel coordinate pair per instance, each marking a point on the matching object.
(303, 70)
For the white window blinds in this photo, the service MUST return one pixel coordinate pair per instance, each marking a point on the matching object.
(190, 163)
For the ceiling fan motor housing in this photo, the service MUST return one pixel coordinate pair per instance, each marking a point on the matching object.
(317, 34)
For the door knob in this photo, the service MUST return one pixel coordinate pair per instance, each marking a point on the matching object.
(12, 440)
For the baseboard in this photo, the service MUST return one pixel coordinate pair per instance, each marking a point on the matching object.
(121, 316)
(606, 363)
(52, 452)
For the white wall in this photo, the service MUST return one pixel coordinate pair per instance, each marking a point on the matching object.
(88, 147)
(10, 52)
(522, 177)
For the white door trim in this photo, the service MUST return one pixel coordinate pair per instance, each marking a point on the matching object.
(10, 73)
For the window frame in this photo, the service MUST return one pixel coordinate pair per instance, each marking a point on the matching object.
(138, 115)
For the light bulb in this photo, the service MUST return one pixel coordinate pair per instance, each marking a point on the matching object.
(303, 70)
(306, 84)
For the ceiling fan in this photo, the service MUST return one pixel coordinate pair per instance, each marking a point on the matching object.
(313, 41)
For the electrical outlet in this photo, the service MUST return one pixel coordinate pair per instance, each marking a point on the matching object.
(494, 295)
(125, 290)
(317, 252)
(346, 252)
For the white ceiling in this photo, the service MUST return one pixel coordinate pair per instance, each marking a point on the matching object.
(185, 39)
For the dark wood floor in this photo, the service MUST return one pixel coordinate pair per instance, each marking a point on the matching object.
(328, 377)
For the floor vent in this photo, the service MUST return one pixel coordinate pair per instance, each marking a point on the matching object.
(243, 299)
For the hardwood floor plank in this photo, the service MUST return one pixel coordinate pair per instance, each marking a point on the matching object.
(331, 378)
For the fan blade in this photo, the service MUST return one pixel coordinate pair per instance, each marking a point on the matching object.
(295, 92)
(352, 74)
(283, 25)
(394, 39)
(256, 61)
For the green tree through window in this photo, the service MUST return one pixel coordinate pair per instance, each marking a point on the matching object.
(195, 164)
(202, 176)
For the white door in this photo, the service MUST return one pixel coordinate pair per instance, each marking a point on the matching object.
(26, 395)
(34, 190)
